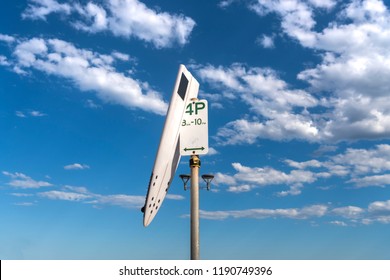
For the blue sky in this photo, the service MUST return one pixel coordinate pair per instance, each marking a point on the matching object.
(299, 123)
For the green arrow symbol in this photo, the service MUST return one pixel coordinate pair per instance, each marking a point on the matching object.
(194, 149)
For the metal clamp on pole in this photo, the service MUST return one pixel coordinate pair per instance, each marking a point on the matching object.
(195, 161)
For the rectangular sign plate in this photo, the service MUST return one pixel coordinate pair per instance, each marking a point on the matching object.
(194, 135)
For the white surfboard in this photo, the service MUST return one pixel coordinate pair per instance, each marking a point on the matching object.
(168, 153)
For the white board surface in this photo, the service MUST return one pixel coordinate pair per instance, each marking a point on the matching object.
(168, 153)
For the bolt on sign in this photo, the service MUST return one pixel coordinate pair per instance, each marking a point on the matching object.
(194, 135)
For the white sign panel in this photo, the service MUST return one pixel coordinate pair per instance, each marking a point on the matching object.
(194, 134)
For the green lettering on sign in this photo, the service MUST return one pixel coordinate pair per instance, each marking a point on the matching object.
(189, 109)
(198, 107)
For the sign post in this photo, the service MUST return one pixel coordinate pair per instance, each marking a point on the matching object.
(194, 142)
(195, 245)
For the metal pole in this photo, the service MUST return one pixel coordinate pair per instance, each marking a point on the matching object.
(194, 165)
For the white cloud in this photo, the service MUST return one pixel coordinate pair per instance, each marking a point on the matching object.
(7, 38)
(363, 161)
(259, 83)
(21, 194)
(376, 212)
(133, 18)
(339, 223)
(379, 207)
(362, 10)
(88, 70)
(175, 197)
(219, 76)
(37, 114)
(372, 181)
(121, 200)
(297, 17)
(4, 61)
(76, 166)
(20, 114)
(22, 181)
(125, 18)
(355, 68)
(358, 162)
(361, 167)
(303, 165)
(271, 176)
(82, 190)
(379, 219)
(95, 18)
(220, 178)
(353, 73)
(266, 42)
(241, 188)
(39, 9)
(121, 56)
(212, 151)
(268, 96)
(25, 204)
(248, 178)
(81, 194)
(324, 149)
(212, 97)
(349, 212)
(33, 113)
(76, 194)
(353, 164)
(328, 4)
(225, 3)
(92, 104)
(313, 211)
(61, 195)
(295, 189)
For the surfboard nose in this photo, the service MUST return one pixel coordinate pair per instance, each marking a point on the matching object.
(147, 220)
